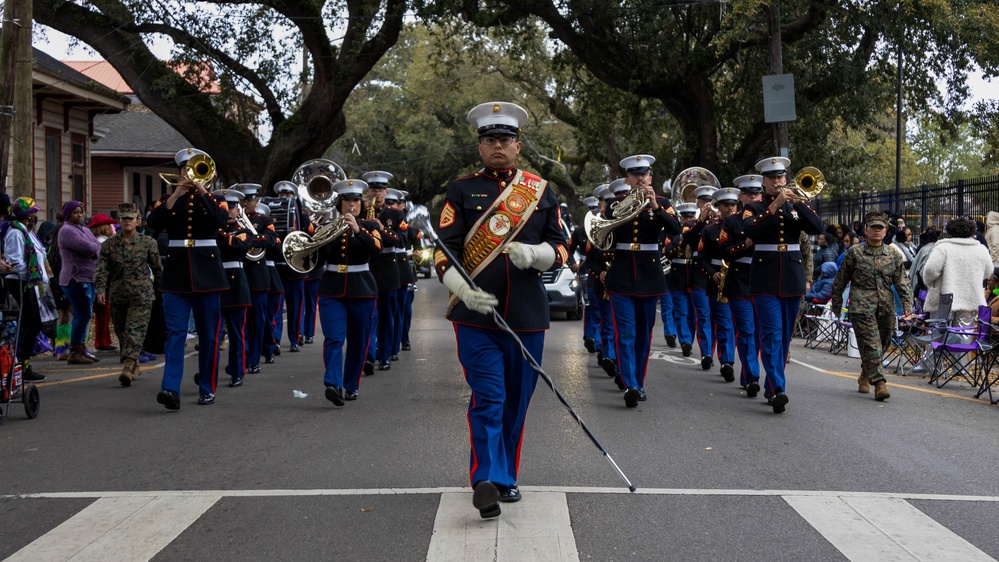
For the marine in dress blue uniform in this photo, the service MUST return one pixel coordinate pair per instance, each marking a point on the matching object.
(697, 277)
(711, 258)
(384, 275)
(596, 263)
(504, 226)
(275, 296)
(678, 281)
(738, 252)
(635, 278)
(311, 303)
(234, 241)
(666, 247)
(294, 282)
(258, 275)
(407, 277)
(777, 276)
(192, 280)
(591, 314)
(387, 276)
(347, 295)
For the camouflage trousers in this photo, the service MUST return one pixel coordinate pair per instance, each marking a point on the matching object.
(130, 319)
(873, 331)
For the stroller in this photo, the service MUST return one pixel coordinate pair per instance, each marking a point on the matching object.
(12, 387)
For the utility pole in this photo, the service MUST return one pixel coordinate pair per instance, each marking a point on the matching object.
(8, 56)
(22, 142)
(777, 67)
(899, 136)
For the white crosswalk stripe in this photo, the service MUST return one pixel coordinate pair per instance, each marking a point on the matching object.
(136, 526)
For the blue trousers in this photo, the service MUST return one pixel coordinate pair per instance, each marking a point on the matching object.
(400, 312)
(345, 320)
(666, 312)
(721, 325)
(502, 383)
(81, 300)
(407, 313)
(777, 316)
(177, 309)
(256, 326)
(634, 318)
(235, 325)
(278, 320)
(387, 303)
(606, 328)
(744, 318)
(591, 317)
(683, 317)
(294, 296)
(310, 305)
(370, 354)
(702, 315)
(271, 329)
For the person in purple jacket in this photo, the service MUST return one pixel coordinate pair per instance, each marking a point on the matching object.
(78, 248)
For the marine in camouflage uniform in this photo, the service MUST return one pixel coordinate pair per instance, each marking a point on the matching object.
(125, 265)
(872, 269)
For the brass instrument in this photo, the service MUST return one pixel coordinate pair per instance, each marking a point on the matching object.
(689, 180)
(599, 229)
(315, 180)
(254, 254)
(199, 168)
(369, 206)
(808, 183)
(721, 284)
(301, 251)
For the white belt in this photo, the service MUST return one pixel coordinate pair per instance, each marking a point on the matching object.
(269, 262)
(344, 268)
(400, 250)
(232, 264)
(680, 261)
(716, 262)
(744, 260)
(189, 243)
(778, 247)
(388, 250)
(637, 247)
(694, 255)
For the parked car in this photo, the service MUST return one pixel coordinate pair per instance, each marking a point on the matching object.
(423, 260)
(565, 288)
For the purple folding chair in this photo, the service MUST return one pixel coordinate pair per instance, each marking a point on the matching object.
(962, 351)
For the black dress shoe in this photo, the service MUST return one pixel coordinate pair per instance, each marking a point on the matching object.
(768, 395)
(169, 399)
(642, 397)
(609, 366)
(277, 350)
(752, 389)
(590, 345)
(779, 402)
(369, 368)
(235, 381)
(619, 382)
(206, 399)
(485, 498)
(197, 378)
(384, 366)
(706, 363)
(335, 395)
(350, 395)
(671, 341)
(268, 359)
(406, 347)
(600, 356)
(294, 348)
(253, 369)
(728, 372)
(394, 358)
(631, 397)
(686, 348)
(509, 495)
(309, 339)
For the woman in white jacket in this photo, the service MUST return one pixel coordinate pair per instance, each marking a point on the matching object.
(958, 265)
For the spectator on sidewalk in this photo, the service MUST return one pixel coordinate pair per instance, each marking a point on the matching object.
(103, 228)
(992, 236)
(26, 254)
(827, 252)
(78, 248)
(958, 265)
(821, 290)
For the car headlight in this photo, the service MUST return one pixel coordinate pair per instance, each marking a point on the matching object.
(574, 284)
(425, 254)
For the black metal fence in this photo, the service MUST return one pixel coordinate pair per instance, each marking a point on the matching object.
(922, 206)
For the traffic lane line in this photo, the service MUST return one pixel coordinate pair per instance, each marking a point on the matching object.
(104, 375)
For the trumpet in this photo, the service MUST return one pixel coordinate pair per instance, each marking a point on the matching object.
(254, 254)
(199, 168)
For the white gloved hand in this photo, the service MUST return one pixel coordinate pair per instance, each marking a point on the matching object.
(475, 299)
(538, 256)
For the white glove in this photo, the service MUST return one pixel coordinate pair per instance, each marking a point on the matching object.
(475, 299)
(538, 256)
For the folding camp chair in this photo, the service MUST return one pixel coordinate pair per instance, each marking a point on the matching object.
(840, 336)
(818, 323)
(922, 333)
(960, 352)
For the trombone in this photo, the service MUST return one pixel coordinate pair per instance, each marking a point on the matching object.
(808, 183)
(199, 168)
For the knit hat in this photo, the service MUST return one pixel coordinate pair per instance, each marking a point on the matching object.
(24, 206)
(68, 209)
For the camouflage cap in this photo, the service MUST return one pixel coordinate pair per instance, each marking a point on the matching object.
(876, 219)
(128, 211)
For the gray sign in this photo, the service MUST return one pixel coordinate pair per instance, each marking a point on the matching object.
(778, 98)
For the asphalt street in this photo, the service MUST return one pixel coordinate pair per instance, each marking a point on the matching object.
(105, 473)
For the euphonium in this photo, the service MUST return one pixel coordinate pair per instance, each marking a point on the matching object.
(599, 229)
(254, 254)
(301, 250)
(808, 183)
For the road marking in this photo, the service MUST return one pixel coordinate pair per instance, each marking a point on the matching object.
(536, 528)
(877, 529)
(118, 528)
(853, 376)
(106, 375)
(525, 489)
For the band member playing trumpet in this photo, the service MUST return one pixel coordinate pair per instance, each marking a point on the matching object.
(711, 258)
(347, 294)
(192, 280)
(777, 277)
(635, 278)
(737, 250)
(234, 241)
(503, 224)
